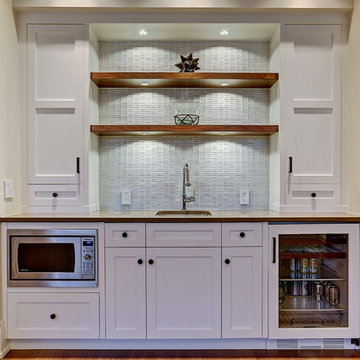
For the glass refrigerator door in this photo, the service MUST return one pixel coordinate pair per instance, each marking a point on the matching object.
(313, 276)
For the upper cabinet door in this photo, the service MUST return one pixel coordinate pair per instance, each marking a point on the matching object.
(312, 80)
(55, 103)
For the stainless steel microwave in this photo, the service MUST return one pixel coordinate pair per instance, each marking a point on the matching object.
(53, 258)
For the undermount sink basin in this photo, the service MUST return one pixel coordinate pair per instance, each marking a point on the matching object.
(183, 212)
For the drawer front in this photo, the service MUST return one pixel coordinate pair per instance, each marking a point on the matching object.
(53, 316)
(313, 195)
(125, 235)
(183, 234)
(242, 234)
(54, 195)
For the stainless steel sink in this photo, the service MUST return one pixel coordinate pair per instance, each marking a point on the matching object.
(184, 212)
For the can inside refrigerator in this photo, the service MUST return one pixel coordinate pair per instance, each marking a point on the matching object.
(313, 280)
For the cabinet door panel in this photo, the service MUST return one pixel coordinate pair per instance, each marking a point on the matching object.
(184, 293)
(55, 103)
(125, 294)
(313, 103)
(242, 293)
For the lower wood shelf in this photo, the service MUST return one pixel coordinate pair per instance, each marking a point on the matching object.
(161, 130)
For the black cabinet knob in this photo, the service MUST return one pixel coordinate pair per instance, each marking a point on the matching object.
(151, 261)
(55, 195)
(52, 316)
(124, 234)
(242, 234)
(227, 261)
(140, 261)
(313, 195)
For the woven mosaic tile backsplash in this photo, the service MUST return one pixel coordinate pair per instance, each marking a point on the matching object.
(151, 167)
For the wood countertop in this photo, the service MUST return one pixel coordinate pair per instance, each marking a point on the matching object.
(217, 216)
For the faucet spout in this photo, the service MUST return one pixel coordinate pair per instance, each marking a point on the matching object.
(186, 182)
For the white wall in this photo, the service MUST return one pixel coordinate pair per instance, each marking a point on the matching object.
(9, 108)
(353, 142)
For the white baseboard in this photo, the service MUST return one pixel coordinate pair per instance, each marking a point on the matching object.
(5, 345)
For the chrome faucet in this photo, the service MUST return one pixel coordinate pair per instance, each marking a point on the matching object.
(186, 182)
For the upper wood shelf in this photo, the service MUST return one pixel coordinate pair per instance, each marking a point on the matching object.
(113, 130)
(183, 80)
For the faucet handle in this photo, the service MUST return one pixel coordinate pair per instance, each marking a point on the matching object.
(192, 198)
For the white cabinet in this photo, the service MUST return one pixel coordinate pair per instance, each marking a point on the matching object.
(313, 281)
(125, 235)
(312, 107)
(242, 292)
(183, 293)
(125, 293)
(53, 316)
(55, 117)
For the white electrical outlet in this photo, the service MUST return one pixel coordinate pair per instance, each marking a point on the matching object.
(8, 189)
(126, 197)
(244, 197)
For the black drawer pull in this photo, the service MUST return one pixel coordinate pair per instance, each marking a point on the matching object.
(151, 261)
(313, 195)
(55, 195)
(140, 261)
(227, 261)
(124, 234)
(53, 316)
(290, 165)
(242, 234)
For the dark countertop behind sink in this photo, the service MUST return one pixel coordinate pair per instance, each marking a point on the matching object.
(217, 216)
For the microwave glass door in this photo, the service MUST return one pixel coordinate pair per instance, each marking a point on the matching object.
(56, 258)
(50, 257)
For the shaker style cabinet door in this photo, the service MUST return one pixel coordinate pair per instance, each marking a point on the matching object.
(242, 292)
(55, 77)
(183, 293)
(312, 79)
(125, 293)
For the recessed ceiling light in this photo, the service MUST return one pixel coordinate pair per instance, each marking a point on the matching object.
(224, 84)
(224, 32)
(145, 84)
(143, 32)
(224, 133)
(145, 133)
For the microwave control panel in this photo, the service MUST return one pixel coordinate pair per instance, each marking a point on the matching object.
(88, 257)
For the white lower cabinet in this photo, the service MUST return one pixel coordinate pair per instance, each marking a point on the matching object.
(125, 293)
(183, 293)
(242, 292)
(53, 316)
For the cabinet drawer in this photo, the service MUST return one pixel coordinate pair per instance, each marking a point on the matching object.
(183, 234)
(242, 234)
(313, 195)
(53, 316)
(54, 195)
(125, 235)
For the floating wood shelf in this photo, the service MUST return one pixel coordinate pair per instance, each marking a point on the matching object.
(183, 80)
(114, 130)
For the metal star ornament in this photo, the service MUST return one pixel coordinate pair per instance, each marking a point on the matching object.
(188, 64)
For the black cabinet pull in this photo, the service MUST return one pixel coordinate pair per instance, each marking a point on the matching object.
(227, 261)
(242, 234)
(313, 195)
(53, 316)
(55, 195)
(124, 234)
(290, 164)
(78, 165)
(274, 250)
(151, 261)
(140, 261)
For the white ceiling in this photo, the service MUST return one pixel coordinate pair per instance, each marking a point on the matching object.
(111, 32)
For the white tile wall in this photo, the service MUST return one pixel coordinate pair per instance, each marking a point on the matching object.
(152, 167)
